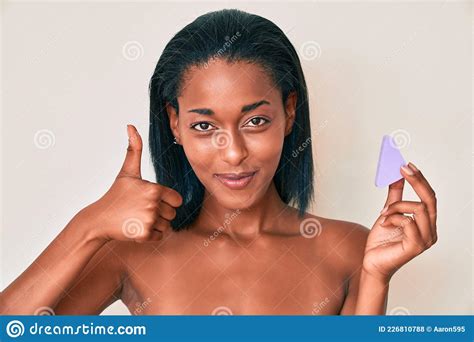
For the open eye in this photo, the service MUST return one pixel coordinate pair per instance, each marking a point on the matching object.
(203, 125)
(258, 119)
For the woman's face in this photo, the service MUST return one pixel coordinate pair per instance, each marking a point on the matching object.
(232, 120)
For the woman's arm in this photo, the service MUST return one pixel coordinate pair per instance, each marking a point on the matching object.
(99, 284)
(366, 295)
(372, 296)
(395, 239)
(360, 288)
(133, 209)
(52, 274)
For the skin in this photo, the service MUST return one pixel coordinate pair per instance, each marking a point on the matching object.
(246, 253)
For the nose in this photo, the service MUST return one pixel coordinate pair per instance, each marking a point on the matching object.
(232, 147)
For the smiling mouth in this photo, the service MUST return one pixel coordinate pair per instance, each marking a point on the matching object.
(235, 181)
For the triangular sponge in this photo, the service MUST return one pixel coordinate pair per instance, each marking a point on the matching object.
(390, 161)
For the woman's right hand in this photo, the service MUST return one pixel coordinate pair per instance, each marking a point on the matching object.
(133, 208)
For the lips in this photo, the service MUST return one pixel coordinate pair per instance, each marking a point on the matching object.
(235, 181)
(235, 175)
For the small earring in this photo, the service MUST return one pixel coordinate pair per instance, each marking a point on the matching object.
(175, 141)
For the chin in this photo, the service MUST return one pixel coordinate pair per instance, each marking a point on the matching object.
(237, 200)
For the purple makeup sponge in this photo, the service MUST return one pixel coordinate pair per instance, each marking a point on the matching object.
(390, 161)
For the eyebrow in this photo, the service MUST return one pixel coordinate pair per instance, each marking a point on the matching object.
(245, 109)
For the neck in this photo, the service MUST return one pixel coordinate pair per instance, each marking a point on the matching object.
(241, 224)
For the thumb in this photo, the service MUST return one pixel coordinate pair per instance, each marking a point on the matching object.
(395, 192)
(132, 164)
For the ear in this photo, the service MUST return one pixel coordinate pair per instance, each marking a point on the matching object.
(173, 119)
(290, 109)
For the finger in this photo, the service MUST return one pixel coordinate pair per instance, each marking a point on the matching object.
(422, 189)
(420, 214)
(162, 224)
(166, 211)
(156, 235)
(395, 192)
(172, 197)
(131, 165)
(414, 241)
(151, 235)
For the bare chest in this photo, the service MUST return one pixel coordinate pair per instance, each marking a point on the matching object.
(281, 280)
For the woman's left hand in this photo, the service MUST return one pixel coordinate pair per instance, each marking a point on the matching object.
(395, 237)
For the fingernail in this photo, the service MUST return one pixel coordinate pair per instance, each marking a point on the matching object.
(384, 210)
(407, 170)
(383, 219)
(412, 166)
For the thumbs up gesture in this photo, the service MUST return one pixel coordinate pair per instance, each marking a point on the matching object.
(134, 208)
(397, 237)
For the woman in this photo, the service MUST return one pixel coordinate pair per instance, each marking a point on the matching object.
(225, 229)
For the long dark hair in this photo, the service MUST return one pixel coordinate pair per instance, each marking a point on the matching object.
(232, 35)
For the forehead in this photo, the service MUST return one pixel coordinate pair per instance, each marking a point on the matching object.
(226, 86)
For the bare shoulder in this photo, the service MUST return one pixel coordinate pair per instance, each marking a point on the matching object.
(334, 228)
(349, 238)
(346, 238)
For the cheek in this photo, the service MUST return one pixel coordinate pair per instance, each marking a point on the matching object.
(201, 155)
(266, 147)
(265, 151)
